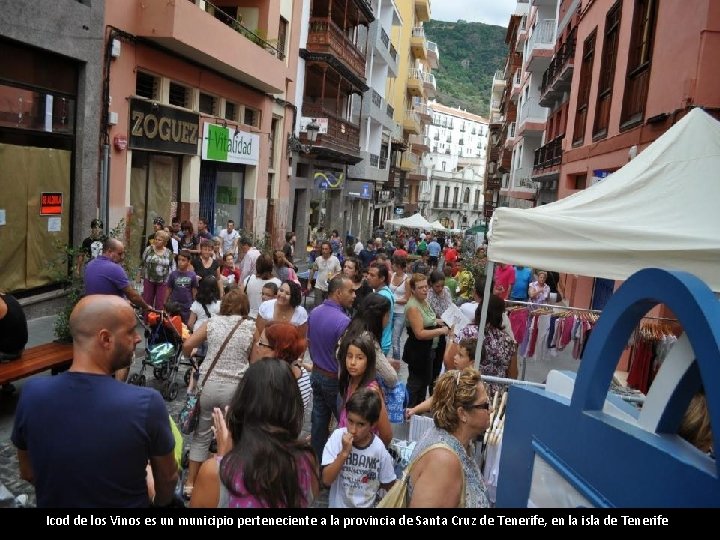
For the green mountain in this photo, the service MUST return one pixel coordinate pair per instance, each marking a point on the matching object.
(470, 53)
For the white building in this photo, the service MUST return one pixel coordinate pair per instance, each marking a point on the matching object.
(375, 118)
(453, 191)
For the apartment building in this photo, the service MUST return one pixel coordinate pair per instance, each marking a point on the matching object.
(410, 91)
(453, 192)
(197, 112)
(50, 102)
(639, 66)
(374, 115)
(326, 142)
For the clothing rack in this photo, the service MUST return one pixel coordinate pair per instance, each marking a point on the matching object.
(503, 380)
(560, 307)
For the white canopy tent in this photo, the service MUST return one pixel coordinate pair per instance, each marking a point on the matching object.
(437, 226)
(659, 210)
(416, 221)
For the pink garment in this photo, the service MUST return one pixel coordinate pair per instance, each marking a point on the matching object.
(504, 277)
(566, 335)
(518, 323)
(305, 471)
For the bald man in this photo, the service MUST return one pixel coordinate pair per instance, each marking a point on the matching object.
(105, 275)
(84, 439)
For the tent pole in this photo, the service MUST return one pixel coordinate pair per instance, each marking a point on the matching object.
(489, 270)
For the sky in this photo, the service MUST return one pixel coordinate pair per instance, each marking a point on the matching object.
(488, 11)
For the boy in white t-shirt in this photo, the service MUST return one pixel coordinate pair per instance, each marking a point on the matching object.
(355, 462)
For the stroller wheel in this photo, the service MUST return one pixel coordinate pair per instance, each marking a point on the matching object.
(133, 379)
(141, 380)
(173, 391)
(160, 373)
(170, 391)
(187, 375)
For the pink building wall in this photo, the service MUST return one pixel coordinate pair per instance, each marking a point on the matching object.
(130, 17)
(684, 72)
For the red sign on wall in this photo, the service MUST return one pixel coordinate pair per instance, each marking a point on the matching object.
(51, 204)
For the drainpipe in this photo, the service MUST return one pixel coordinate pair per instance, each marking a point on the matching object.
(104, 185)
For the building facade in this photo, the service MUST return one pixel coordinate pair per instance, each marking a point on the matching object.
(453, 192)
(410, 91)
(198, 113)
(50, 102)
(620, 103)
(331, 72)
(375, 116)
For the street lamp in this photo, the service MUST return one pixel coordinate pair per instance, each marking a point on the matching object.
(313, 128)
(294, 144)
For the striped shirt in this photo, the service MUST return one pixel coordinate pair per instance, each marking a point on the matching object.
(306, 392)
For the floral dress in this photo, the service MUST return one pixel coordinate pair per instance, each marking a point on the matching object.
(498, 350)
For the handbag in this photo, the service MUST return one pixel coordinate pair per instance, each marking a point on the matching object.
(396, 497)
(189, 415)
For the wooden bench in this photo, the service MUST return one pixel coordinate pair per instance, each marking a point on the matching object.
(55, 356)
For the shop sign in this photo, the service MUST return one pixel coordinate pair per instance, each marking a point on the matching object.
(51, 203)
(361, 190)
(230, 145)
(162, 128)
(329, 180)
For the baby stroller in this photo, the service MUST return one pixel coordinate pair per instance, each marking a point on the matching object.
(163, 350)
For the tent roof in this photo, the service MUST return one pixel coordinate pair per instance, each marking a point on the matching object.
(659, 210)
(437, 226)
(416, 221)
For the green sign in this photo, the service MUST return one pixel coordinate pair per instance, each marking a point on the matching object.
(229, 145)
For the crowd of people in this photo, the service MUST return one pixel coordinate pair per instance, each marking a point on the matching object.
(268, 362)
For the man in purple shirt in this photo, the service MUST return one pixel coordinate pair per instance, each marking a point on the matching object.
(104, 275)
(326, 325)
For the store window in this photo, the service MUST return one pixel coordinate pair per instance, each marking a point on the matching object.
(147, 85)
(180, 96)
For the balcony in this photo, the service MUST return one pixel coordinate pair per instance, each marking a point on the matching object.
(327, 38)
(531, 118)
(433, 55)
(425, 113)
(498, 79)
(415, 84)
(429, 84)
(510, 138)
(541, 45)
(372, 167)
(420, 143)
(418, 43)
(220, 43)
(558, 76)
(342, 140)
(379, 36)
(411, 122)
(522, 180)
(422, 10)
(384, 196)
(516, 87)
(548, 157)
(409, 161)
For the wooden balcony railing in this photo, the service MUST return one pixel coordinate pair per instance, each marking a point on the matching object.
(549, 154)
(326, 37)
(562, 58)
(342, 135)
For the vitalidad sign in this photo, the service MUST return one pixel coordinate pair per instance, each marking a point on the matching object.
(229, 145)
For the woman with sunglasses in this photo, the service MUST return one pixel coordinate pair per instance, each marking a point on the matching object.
(461, 413)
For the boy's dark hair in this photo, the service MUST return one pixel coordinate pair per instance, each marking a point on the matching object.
(185, 253)
(365, 402)
(470, 345)
(271, 287)
(289, 235)
(173, 308)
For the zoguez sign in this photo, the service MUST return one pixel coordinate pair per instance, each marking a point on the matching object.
(166, 129)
